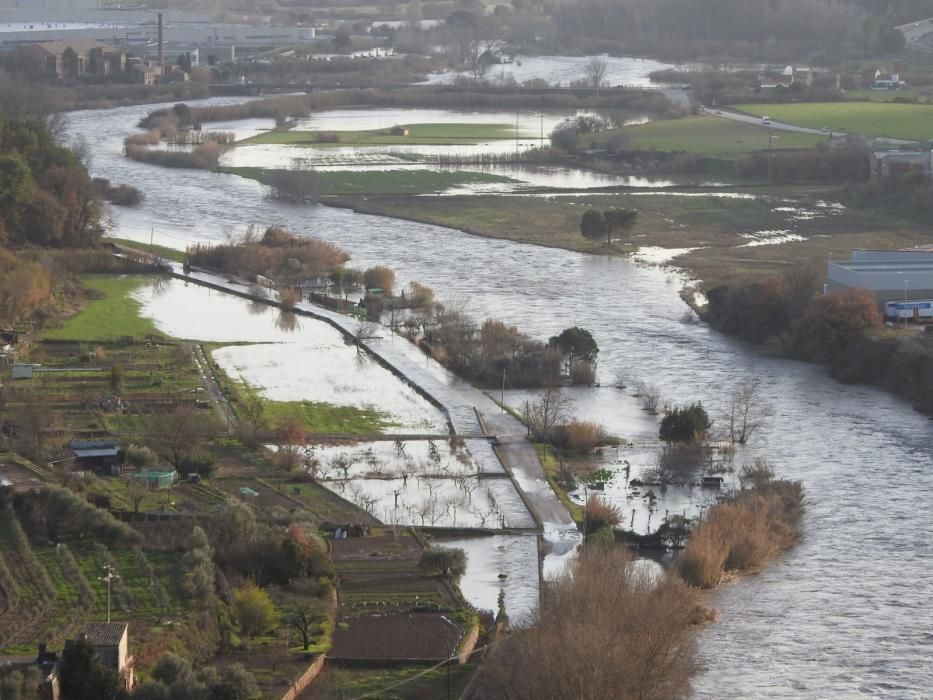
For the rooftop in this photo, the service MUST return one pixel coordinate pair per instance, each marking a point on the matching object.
(79, 46)
(104, 634)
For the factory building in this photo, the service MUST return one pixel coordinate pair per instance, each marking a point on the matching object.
(893, 275)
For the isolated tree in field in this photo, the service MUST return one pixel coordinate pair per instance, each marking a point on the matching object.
(251, 411)
(747, 411)
(685, 424)
(593, 225)
(34, 421)
(136, 492)
(255, 612)
(180, 432)
(449, 563)
(621, 220)
(304, 617)
(577, 345)
(116, 379)
(290, 437)
(544, 413)
(595, 71)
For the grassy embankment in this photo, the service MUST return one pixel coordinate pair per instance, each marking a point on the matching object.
(317, 417)
(913, 122)
(671, 220)
(418, 135)
(384, 182)
(702, 135)
(112, 316)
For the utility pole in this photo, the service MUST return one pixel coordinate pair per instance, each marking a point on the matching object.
(109, 577)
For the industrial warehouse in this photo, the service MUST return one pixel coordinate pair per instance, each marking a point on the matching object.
(902, 280)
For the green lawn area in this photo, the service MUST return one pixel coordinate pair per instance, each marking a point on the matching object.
(318, 417)
(115, 316)
(894, 120)
(418, 134)
(703, 135)
(348, 182)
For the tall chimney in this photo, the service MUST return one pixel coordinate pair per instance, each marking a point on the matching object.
(161, 57)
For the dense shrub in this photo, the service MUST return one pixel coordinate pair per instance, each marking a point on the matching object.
(601, 514)
(745, 531)
(685, 424)
(603, 630)
(582, 436)
(449, 563)
(281, 256)
(205, 156)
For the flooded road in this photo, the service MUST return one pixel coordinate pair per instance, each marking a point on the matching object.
(846, 613)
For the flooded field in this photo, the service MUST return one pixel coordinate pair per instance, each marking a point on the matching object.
(300, 359)
(422, 483)
(427, 501)
(500, 563)
(845, 613)
(562, 70)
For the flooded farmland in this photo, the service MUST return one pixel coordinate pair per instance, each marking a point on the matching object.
(844, 614)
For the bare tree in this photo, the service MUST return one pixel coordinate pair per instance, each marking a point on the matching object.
(595, 71)
(649, 396)
(747, 411)
(180, 432)
(365, 333)
(544, 413)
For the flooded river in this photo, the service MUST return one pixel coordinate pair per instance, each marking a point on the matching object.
(846, 613)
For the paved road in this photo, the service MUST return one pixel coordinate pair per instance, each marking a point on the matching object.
(462, 403)
(782, 126)
(776, 126)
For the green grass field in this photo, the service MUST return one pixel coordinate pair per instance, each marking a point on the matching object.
(115, 316)
(348, 182)
(702, 135)
(419, 134)
(890, 95)
(894, 120)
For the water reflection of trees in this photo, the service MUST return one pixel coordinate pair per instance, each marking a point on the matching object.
(287, 321)
(681, 463)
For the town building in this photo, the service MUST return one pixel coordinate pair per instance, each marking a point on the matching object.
(892, 275)
(70, 59)
(111, 647)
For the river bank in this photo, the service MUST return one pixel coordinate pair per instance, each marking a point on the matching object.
(844, 608)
